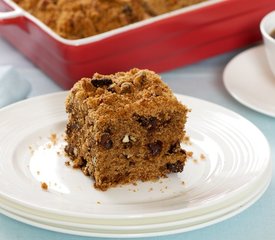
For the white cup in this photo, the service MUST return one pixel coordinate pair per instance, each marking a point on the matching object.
(267, 26)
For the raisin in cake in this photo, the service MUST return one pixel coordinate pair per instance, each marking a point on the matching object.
(125, 127)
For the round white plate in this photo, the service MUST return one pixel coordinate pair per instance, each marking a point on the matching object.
(236, 158)
(249, 80)
(144, 231)
(181, 219)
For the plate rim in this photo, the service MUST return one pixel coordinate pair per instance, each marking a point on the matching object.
(263, 185)
(177, 229)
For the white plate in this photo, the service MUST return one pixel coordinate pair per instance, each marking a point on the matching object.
(147, 230)
(249, 80)
(179, 220)
(237, 156)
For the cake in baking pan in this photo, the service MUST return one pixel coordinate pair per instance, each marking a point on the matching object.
(83, 18)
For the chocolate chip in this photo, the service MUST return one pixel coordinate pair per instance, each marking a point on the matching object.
(173, 148)
(152, 123)
(105, 141)
(101, 82)
(71, 127)
(69, 150)
(82, 162)
(182, 151)
(175, 167)
(155, 148)
(147, 122)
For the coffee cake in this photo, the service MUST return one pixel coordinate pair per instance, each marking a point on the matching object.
(125, 127)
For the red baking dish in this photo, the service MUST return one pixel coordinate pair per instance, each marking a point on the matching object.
(161, 43)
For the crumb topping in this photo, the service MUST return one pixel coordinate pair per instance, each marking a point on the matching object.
(44, 186)
(83, 18)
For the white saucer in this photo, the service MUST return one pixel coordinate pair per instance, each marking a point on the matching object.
(249, 80)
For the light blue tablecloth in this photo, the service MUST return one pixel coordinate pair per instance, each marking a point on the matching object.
(13, 86)
(202, 80)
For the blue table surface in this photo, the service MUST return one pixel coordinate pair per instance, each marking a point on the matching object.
(202, 80)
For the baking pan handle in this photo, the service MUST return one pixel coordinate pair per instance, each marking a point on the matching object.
(11, 17)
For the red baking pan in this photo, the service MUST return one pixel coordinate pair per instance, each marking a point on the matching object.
(161, 43)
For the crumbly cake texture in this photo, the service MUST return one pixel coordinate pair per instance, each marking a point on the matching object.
(125, 127)
(73, 19)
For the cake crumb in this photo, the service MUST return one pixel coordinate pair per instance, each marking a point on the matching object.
(98, 202)
(187, 141)
(150, 189)
(53, 138)
(31, 149)
(67, 163)
(75, 166)
(195, 160)
(183, 183)
(202, 156)
(44, 186)
(49, 145)
(189, 154)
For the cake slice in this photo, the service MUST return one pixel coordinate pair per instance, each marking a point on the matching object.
(125, 127)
